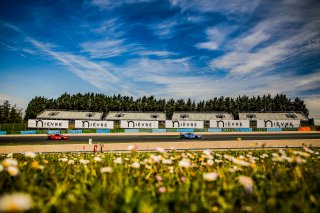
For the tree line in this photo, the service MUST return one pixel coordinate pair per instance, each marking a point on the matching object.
(10, 114)
(104, 103)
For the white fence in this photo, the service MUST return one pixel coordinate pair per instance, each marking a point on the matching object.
(278, 123)
(184, 124)
(48, 124)
(86, 124)
(229, 124)
(131, 124)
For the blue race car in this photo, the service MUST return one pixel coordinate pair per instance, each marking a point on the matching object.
(190, 135)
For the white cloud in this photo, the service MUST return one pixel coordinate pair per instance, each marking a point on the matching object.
(271, 41)
(227, 7)
(110, 27)
(104, 49)
(21, 103)
(215, 36)
(164, 29)
(313, 103)
(210, 45)
(107, 4)
(96, 74)
(155, 53)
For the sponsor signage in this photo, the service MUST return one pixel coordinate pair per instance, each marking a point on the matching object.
(86, 124)
(229, 124)
(48, 124)
(278, 123)
(128, 124)
(184, 124)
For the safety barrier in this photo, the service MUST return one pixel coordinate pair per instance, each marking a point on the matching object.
(171, 130)
(75, 131)
(244, 129)
(274, 129)
(158, 130)
(131, 130)
(103, 131)
(185, 130)
(145, 130)
(228, 130)
(214, 130)
(53, 131)
(3, 132)
(28, 132)
(304, 129)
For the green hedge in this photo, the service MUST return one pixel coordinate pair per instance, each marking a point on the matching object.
(42, 131)
(13, 132)
(88, 131)
(259, 129)
(116, 130)
(171, 130)
(289, 129)
(13, 127)
(201, 130)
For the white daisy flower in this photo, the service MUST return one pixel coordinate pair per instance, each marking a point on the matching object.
(16, 202)
(211, 176)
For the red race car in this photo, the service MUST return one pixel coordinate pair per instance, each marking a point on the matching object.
(57, 137)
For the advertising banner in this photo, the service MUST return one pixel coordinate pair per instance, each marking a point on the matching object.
(229, 124)
(278, 123)
(85, 124)
(184, 124)
(126, 124)
(48, 124)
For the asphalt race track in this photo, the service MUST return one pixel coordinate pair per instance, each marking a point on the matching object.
(9, 140)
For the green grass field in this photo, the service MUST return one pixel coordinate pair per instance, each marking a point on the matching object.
(220, 181)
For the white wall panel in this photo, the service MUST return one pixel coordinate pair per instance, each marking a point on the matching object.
(86, 124)
(278, 123)
(184, 124)
(229, 124)
(132, 124)
(48, 124)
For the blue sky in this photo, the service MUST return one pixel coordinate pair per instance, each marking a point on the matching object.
(176, 48)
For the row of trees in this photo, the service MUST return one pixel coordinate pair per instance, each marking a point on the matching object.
(10, 114)
(104, 103)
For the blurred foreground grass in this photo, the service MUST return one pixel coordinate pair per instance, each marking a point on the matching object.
(163, 181)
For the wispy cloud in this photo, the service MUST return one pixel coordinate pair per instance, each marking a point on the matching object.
(110, 27)
(20, 103)
(155, 53)
(164, 29)
(96, 74)
(269, 43)
(226, 7)
(215, 36)
(105, 48)
(313, 103)
(107, 4)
